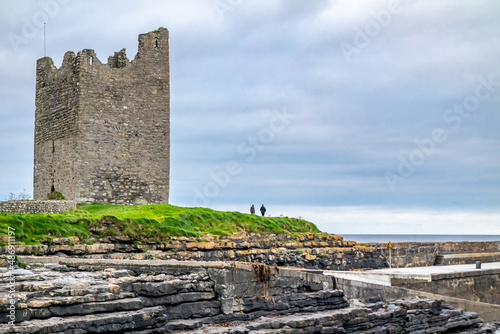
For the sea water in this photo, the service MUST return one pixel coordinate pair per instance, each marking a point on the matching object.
(364, 238)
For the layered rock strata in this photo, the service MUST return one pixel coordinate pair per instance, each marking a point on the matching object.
(111, 296)
(312, 251)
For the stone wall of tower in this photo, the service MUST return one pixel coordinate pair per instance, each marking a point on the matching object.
(116, 135)
(56, 127)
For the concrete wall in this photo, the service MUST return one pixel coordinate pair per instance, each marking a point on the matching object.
(102, 131)
(481, 285)
(32, 207)
(421, 254)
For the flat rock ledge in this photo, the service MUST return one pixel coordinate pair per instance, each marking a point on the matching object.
(126, 296)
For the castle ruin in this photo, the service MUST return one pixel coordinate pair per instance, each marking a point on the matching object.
(102, 131)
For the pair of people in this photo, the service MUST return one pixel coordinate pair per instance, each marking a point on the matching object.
(262, 210)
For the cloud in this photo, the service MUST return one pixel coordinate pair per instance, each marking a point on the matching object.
(233, 67)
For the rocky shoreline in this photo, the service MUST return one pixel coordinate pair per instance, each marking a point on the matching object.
(133, 296)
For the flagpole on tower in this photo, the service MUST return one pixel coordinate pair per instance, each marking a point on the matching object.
(44, 39)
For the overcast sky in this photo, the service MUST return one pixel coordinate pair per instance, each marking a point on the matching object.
(360, 116)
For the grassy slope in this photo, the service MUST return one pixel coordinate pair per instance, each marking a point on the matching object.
(144, 222)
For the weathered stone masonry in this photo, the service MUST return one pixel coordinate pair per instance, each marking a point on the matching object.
(31, 207)
(102, 131)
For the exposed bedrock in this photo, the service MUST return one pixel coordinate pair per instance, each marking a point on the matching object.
(312, 251)
(111, 296)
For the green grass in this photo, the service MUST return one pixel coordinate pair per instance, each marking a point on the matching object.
(145, 223)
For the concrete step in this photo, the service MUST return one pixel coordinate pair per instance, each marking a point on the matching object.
(469, 258)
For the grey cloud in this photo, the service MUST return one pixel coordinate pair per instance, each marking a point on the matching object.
(353, 120)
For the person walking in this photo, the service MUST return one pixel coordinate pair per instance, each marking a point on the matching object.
(263, 210)
(252, 209)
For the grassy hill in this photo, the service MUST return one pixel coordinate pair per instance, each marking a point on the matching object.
(144, 222)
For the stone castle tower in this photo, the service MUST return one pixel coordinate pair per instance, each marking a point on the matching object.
(102, 131)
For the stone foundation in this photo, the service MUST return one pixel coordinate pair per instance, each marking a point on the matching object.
(423, 254)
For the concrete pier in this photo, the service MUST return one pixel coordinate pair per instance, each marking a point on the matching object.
(463, 286)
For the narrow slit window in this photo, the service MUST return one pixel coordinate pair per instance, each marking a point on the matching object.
(91, 60)
(156, 42)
